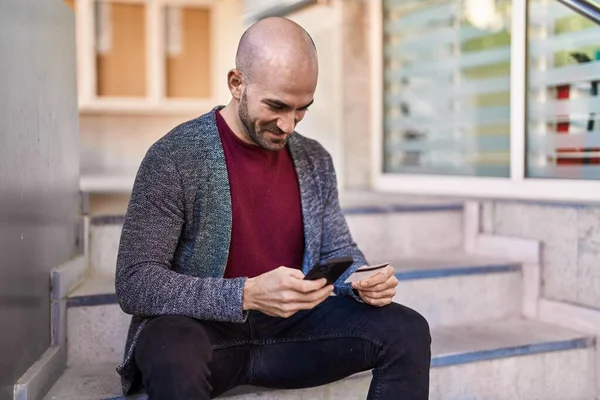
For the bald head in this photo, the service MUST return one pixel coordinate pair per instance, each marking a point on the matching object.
(273, 84)
(274, 43)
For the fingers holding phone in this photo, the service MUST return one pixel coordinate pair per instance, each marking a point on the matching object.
(330, 269)
(283, 292)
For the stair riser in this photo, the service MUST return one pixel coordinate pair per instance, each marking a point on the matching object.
(463, 299)
(559, 375)
(97, 333)
(388, 236)
(104, 247)
(381, 236)
(564, 375)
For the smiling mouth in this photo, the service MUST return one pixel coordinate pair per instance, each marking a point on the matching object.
(275, 133)
(277, 137)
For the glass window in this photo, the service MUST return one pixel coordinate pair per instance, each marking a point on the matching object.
(120, 49)
(446, 87)
(563, 137)
(187, 46)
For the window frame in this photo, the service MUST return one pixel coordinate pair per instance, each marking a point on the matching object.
(155, 102)
(515, 187)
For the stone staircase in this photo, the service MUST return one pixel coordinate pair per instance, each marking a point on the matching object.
(475, 290)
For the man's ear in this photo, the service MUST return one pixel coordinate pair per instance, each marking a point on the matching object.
(235, 82)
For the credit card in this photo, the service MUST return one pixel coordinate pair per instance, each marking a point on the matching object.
(365, 272)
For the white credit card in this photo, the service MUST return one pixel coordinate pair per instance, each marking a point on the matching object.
(365, 272)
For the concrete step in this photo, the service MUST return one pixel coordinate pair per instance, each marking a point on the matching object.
(457, 288)
(508, 359)
(442, 288)
(383, 225)
(386, 226)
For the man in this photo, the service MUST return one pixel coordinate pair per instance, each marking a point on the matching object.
(228, 212)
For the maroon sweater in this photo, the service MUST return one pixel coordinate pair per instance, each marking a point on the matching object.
(267, 230)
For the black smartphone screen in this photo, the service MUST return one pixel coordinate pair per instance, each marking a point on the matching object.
(330, 269)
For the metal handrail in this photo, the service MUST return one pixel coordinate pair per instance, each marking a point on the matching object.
(588, 8)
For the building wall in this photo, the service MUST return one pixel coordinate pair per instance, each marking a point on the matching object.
(323, 122)
(113, 144)
(570, 236)
(39, 168)
(340, 117)
(116, 144)
(356, 93)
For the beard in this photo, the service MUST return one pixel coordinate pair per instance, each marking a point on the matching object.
(261, 134)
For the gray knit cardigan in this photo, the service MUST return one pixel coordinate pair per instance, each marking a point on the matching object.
(175, 239)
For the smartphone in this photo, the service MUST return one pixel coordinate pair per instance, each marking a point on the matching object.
(330, 269)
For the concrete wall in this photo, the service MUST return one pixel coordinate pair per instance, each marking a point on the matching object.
(116, 144)
(39, 166)
(339, 118)
(571, 245)
(356, 93)
(323, 121)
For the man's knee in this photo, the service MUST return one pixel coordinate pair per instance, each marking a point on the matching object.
(173, 343)
(401, 325)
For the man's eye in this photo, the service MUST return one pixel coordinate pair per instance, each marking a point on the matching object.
(275, 108)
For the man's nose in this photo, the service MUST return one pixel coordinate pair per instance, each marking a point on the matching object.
(287, 123)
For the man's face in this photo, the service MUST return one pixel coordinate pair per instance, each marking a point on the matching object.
(271, 107)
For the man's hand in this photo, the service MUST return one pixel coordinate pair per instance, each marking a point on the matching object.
(378, 290)
(283, 292)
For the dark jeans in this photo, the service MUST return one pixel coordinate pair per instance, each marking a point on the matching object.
(184, 358)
